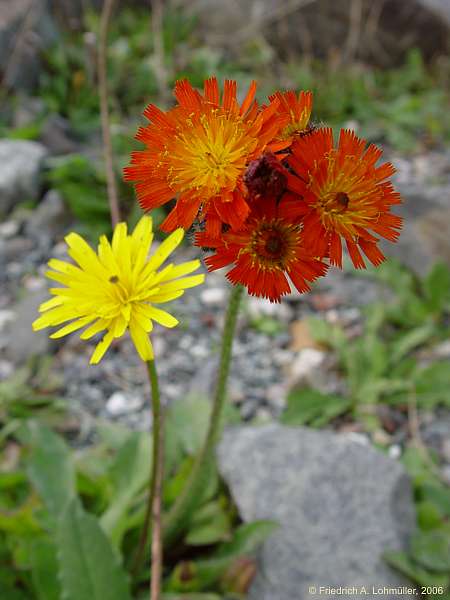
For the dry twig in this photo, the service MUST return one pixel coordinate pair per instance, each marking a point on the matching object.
(104, 110)
(158, 48)
(354, 30)
(280, 12)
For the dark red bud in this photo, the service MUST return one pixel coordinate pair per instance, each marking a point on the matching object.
(266, 176)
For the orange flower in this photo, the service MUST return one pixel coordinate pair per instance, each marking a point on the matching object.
(344, 195)
(296, 109)
(198, 151)
(266, 250)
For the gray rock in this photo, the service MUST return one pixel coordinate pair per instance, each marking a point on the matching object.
(324, 28)
(26, 28)
(23, 342)
(56, 135)
(49, 218)
(20, 167)
(424, 238)
(340, 504)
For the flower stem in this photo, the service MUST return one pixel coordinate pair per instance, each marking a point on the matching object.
(186, 503)
(155, 492)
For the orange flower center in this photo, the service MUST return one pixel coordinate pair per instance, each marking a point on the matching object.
(273, 244)
(210, 154)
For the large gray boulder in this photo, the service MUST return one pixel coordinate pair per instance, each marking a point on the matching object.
(376, 31)
(339, 502)
(20, 167)
(424, 183)
(26, 29)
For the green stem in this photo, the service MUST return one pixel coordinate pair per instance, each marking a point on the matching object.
(154, 496)
(186, 503)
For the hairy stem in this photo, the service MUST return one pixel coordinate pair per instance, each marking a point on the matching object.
(155, 492)
(178, 516)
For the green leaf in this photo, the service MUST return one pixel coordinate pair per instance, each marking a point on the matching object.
(403, 563)
(209, 525)
(129, 473)
(44, 569)
(433, 385)
(193, 576)
(325, 333)
(428, 515)
(9, 593)
(267, 325)
(89, 568)
(247, 539)
(51, 468)
(431, 549)
(409, 341)
(188, 419)
(438, 495)
(175, 485)
(437, 287)
(12, 479)
(311, 407)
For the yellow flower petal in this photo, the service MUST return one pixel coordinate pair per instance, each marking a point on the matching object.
(183, 269)
(101, 348)
(119, 326)
(52, 303)
(83, 254)
(77, 324)
(161, 297)
(183, 283)
(141, 341)
(142, 319)
(95, 328)
(142, 237)
(166, 248)
(162, 317)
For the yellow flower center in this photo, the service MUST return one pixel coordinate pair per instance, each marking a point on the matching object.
(210, 154)
(346, 198)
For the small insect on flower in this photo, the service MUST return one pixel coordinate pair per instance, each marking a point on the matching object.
(198, 152)
(345, 196)
(297, 109)
(267, 250)
(116, 289)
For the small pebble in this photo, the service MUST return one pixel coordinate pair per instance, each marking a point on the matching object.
(120, 403)
(214, 296)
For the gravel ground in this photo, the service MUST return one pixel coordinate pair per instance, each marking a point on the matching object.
(265, 366)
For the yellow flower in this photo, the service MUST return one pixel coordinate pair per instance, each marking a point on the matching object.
(116, 289)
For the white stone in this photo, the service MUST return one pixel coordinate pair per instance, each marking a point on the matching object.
(306, 361)
(213, 296)
(9, 229)
(6, 316)
(121, 403)
(260, 307)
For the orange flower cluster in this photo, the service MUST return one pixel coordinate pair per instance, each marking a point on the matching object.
(273, 195)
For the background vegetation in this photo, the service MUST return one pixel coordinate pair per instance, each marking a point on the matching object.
(55, 499)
